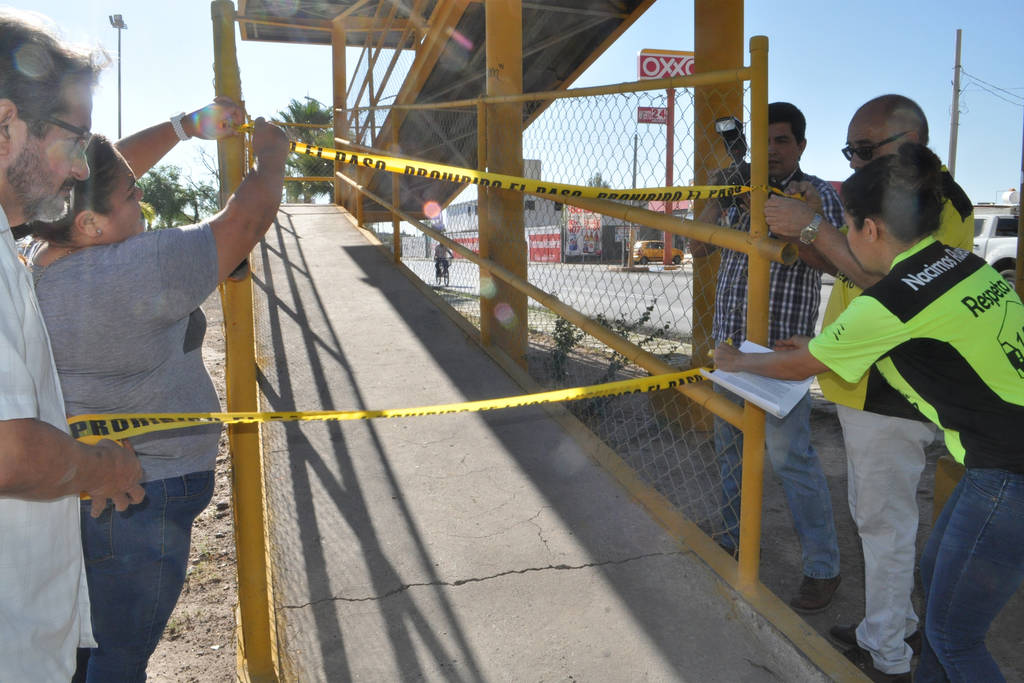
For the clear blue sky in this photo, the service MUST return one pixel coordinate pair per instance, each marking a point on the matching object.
(826, 57)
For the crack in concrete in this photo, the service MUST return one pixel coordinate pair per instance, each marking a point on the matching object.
(480, 579)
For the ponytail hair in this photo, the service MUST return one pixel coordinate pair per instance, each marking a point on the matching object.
(904, 190)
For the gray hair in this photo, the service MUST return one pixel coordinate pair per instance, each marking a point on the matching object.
(36, 66)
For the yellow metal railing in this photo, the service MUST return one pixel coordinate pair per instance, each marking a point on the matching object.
(255, 652)
(256, 636)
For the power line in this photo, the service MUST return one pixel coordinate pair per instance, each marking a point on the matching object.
(990, 87)
(1018, 102)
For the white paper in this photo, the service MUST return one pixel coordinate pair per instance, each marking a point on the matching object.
(774, 396)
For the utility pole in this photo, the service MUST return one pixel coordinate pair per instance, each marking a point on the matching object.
(954, 118)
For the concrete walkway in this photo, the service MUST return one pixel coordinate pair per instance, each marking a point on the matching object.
(473, 546)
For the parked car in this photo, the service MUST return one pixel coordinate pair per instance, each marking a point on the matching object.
(653, 251)
(995, 238)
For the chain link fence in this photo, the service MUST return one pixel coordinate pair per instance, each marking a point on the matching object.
(585, 260)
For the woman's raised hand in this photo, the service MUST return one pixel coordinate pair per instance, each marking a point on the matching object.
(219, 119)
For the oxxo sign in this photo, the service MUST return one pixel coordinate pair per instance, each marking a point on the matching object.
(664, 64)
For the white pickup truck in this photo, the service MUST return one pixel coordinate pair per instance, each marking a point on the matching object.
(995, 237)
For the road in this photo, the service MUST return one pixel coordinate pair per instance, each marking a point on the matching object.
(601, 289)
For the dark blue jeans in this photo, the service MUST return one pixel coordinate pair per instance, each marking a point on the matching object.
(971, 566)
(793, 459)
(135, 563)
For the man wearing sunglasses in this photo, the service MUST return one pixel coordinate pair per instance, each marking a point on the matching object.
(45, 115)
(884, 436)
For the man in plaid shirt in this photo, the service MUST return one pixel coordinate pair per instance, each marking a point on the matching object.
(793, 301)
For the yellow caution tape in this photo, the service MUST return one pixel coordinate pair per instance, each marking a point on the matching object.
(462, 176)
(92, 428)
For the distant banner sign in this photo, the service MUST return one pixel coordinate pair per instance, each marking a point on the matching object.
(582, 232)
(545, 247)
(471, 243)
(664, 64)
(652, 115)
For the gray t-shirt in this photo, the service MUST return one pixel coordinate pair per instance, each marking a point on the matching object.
(127, 336)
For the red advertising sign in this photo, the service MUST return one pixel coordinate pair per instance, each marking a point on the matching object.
(545, 247)
(473, 243)
(652, 115)
(582, 232)
(664, 64)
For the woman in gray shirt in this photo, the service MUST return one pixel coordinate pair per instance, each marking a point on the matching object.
(121, 306)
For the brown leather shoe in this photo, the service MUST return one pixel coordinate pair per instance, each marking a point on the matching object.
(815, 594)
(847, 635)
(862, 659)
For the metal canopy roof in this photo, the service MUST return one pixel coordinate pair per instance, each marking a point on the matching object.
(309, 21)
(561, 38)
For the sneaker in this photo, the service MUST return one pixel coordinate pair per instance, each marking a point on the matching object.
(862, 660)
(815, 594)
(847, 635)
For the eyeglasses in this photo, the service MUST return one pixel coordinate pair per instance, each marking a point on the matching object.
(82, 136)
(866, 152)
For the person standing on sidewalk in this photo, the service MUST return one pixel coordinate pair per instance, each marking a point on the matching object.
(885, 437)
(794, 296)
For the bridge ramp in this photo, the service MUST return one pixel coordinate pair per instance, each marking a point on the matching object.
(469, 546)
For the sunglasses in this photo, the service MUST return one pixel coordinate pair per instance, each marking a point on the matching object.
(82, 136)
(866, 152)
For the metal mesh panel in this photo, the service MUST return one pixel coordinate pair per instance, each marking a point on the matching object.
(582, 259)
(376, 89)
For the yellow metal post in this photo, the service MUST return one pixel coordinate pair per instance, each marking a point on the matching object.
(752, 482)
(502, 236)
(340, 108)
(396, 222)
(482, 215)
(240, 369)
(718, 45)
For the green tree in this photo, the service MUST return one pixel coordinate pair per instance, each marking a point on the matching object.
(311, 111)
(177, 200)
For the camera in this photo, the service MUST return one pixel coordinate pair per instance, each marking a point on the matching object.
(738, 173)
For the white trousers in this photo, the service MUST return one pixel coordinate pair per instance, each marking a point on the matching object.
(885, 458)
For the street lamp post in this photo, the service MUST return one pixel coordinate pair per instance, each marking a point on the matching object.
(117, 21)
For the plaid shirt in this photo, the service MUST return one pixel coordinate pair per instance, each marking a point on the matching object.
(794, 292)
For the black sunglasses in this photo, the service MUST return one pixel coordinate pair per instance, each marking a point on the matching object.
(865, 152)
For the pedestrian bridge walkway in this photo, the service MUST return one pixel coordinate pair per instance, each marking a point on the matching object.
(501, 546)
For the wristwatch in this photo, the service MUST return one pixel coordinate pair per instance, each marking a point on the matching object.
(810, 230)
(178, 130)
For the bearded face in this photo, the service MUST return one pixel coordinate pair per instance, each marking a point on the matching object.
(29, 178)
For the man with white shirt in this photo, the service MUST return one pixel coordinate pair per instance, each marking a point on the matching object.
(45, 117)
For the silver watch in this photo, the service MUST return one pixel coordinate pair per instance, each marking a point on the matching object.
(810, 230)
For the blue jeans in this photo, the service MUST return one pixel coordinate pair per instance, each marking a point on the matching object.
(135, 563)
(796, 464)
(971, 566)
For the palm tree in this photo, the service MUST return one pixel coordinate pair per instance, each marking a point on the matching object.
(311, 111)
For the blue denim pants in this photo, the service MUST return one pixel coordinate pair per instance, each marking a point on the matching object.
(135, 563)
(971, 566)
(796, 464)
